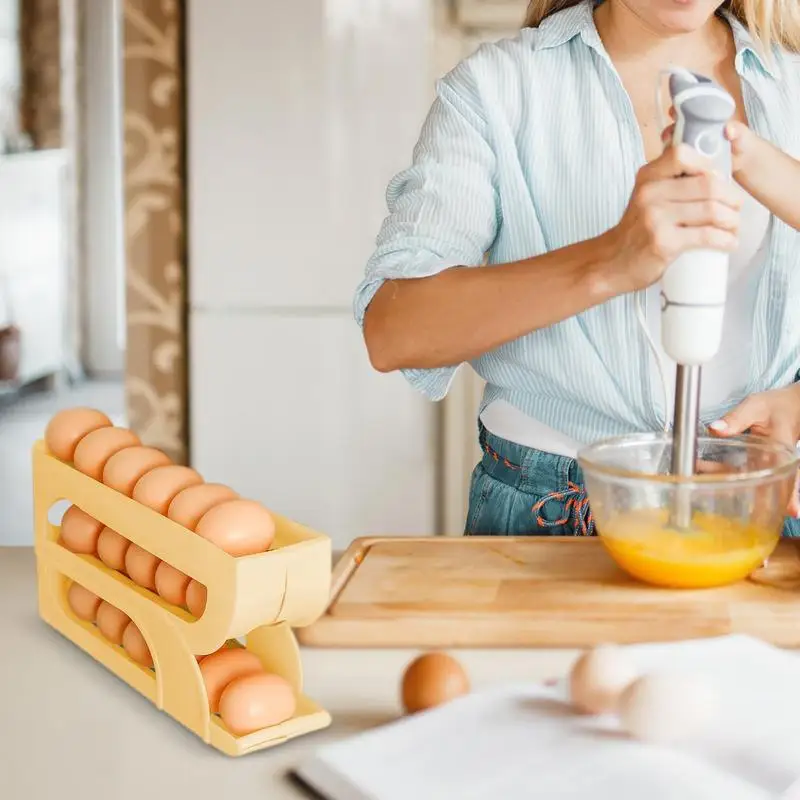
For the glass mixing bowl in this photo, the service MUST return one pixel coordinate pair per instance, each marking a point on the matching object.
(712, 529)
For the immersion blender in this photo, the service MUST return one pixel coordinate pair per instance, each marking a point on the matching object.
(694, 286)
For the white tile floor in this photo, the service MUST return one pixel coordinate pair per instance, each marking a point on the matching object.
(22, 422)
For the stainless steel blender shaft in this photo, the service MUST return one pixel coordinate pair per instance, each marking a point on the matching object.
(684, 439)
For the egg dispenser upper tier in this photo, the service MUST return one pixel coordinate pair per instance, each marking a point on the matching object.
(258, 597)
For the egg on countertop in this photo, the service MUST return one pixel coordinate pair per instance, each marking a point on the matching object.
(190, 505)
(157, 488)
(111, 622)
(220, 668)
(79, 532)
(83, 603)
(196, 597)
(431, 680)
(94, 450)
(239, 527)
(665, 708)
(112, 548)
(171, 584)
(68, 427)
(598, 678)
(141, 566)
(135, 646)
(253, 702)
(124, 469)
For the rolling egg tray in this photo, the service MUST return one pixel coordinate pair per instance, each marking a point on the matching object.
(260, 597)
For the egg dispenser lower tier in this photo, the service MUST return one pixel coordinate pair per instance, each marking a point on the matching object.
(258, 598)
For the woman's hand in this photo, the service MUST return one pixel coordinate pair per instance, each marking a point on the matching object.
(745, 145)
(678, 204)
(762, 170)
(775, 415)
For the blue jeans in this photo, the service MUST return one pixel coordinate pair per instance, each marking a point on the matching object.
(517, 491)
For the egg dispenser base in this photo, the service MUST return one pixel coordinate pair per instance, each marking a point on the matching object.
(258, 598)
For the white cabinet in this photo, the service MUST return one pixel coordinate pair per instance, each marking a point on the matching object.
(299, 114)
(286, 409)
(33, 258)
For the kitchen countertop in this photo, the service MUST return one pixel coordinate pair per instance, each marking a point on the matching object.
(70, 728)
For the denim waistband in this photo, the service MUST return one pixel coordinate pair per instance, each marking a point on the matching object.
(529, 470)
(532, 471)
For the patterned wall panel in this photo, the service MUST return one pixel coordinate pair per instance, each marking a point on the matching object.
(40, 53)
(154, 129)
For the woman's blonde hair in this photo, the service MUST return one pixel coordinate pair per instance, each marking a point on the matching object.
(769, 21)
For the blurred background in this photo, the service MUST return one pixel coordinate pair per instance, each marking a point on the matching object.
(189, 192)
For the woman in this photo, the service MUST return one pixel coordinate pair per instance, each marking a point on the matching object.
(544, 152)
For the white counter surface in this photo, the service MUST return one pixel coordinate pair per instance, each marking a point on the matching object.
(70, 729)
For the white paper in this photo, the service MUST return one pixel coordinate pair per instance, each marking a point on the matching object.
(521, 742)
(756, 733)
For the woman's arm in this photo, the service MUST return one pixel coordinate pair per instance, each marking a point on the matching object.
(768, 174)
(461, 313)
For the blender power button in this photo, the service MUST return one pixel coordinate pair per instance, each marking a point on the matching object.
(708, 144)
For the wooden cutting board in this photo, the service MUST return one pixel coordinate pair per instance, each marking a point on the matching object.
(536, 592)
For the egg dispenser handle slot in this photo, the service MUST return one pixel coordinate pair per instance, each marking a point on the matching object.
(277, 647)
(694, 286)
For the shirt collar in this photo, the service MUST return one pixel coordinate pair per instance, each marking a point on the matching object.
(578, 20)
(748, 51)
(563, 26)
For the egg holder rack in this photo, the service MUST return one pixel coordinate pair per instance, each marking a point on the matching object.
(260, 598)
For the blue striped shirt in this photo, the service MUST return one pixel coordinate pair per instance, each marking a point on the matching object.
(532, 145)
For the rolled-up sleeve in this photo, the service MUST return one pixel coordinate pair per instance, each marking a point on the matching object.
(443, 210)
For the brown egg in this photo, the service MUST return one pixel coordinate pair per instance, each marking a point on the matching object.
(68, 427)
(171, 584)
(141, 567)
(191, 504)
(111, 549)
(94, 450)
(157, 488)
(253, 702)
(135, 646)
(83, 603)
(124, 469)
(239, 527)
(200, 658)
(220, 668)
(111, 622)
(432, 679)
(196, 597)
(79, 531)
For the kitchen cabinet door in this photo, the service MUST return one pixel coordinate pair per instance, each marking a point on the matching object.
(299, 113)
(287, 410)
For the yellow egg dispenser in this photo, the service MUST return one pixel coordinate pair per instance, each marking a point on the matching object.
(260, 598)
